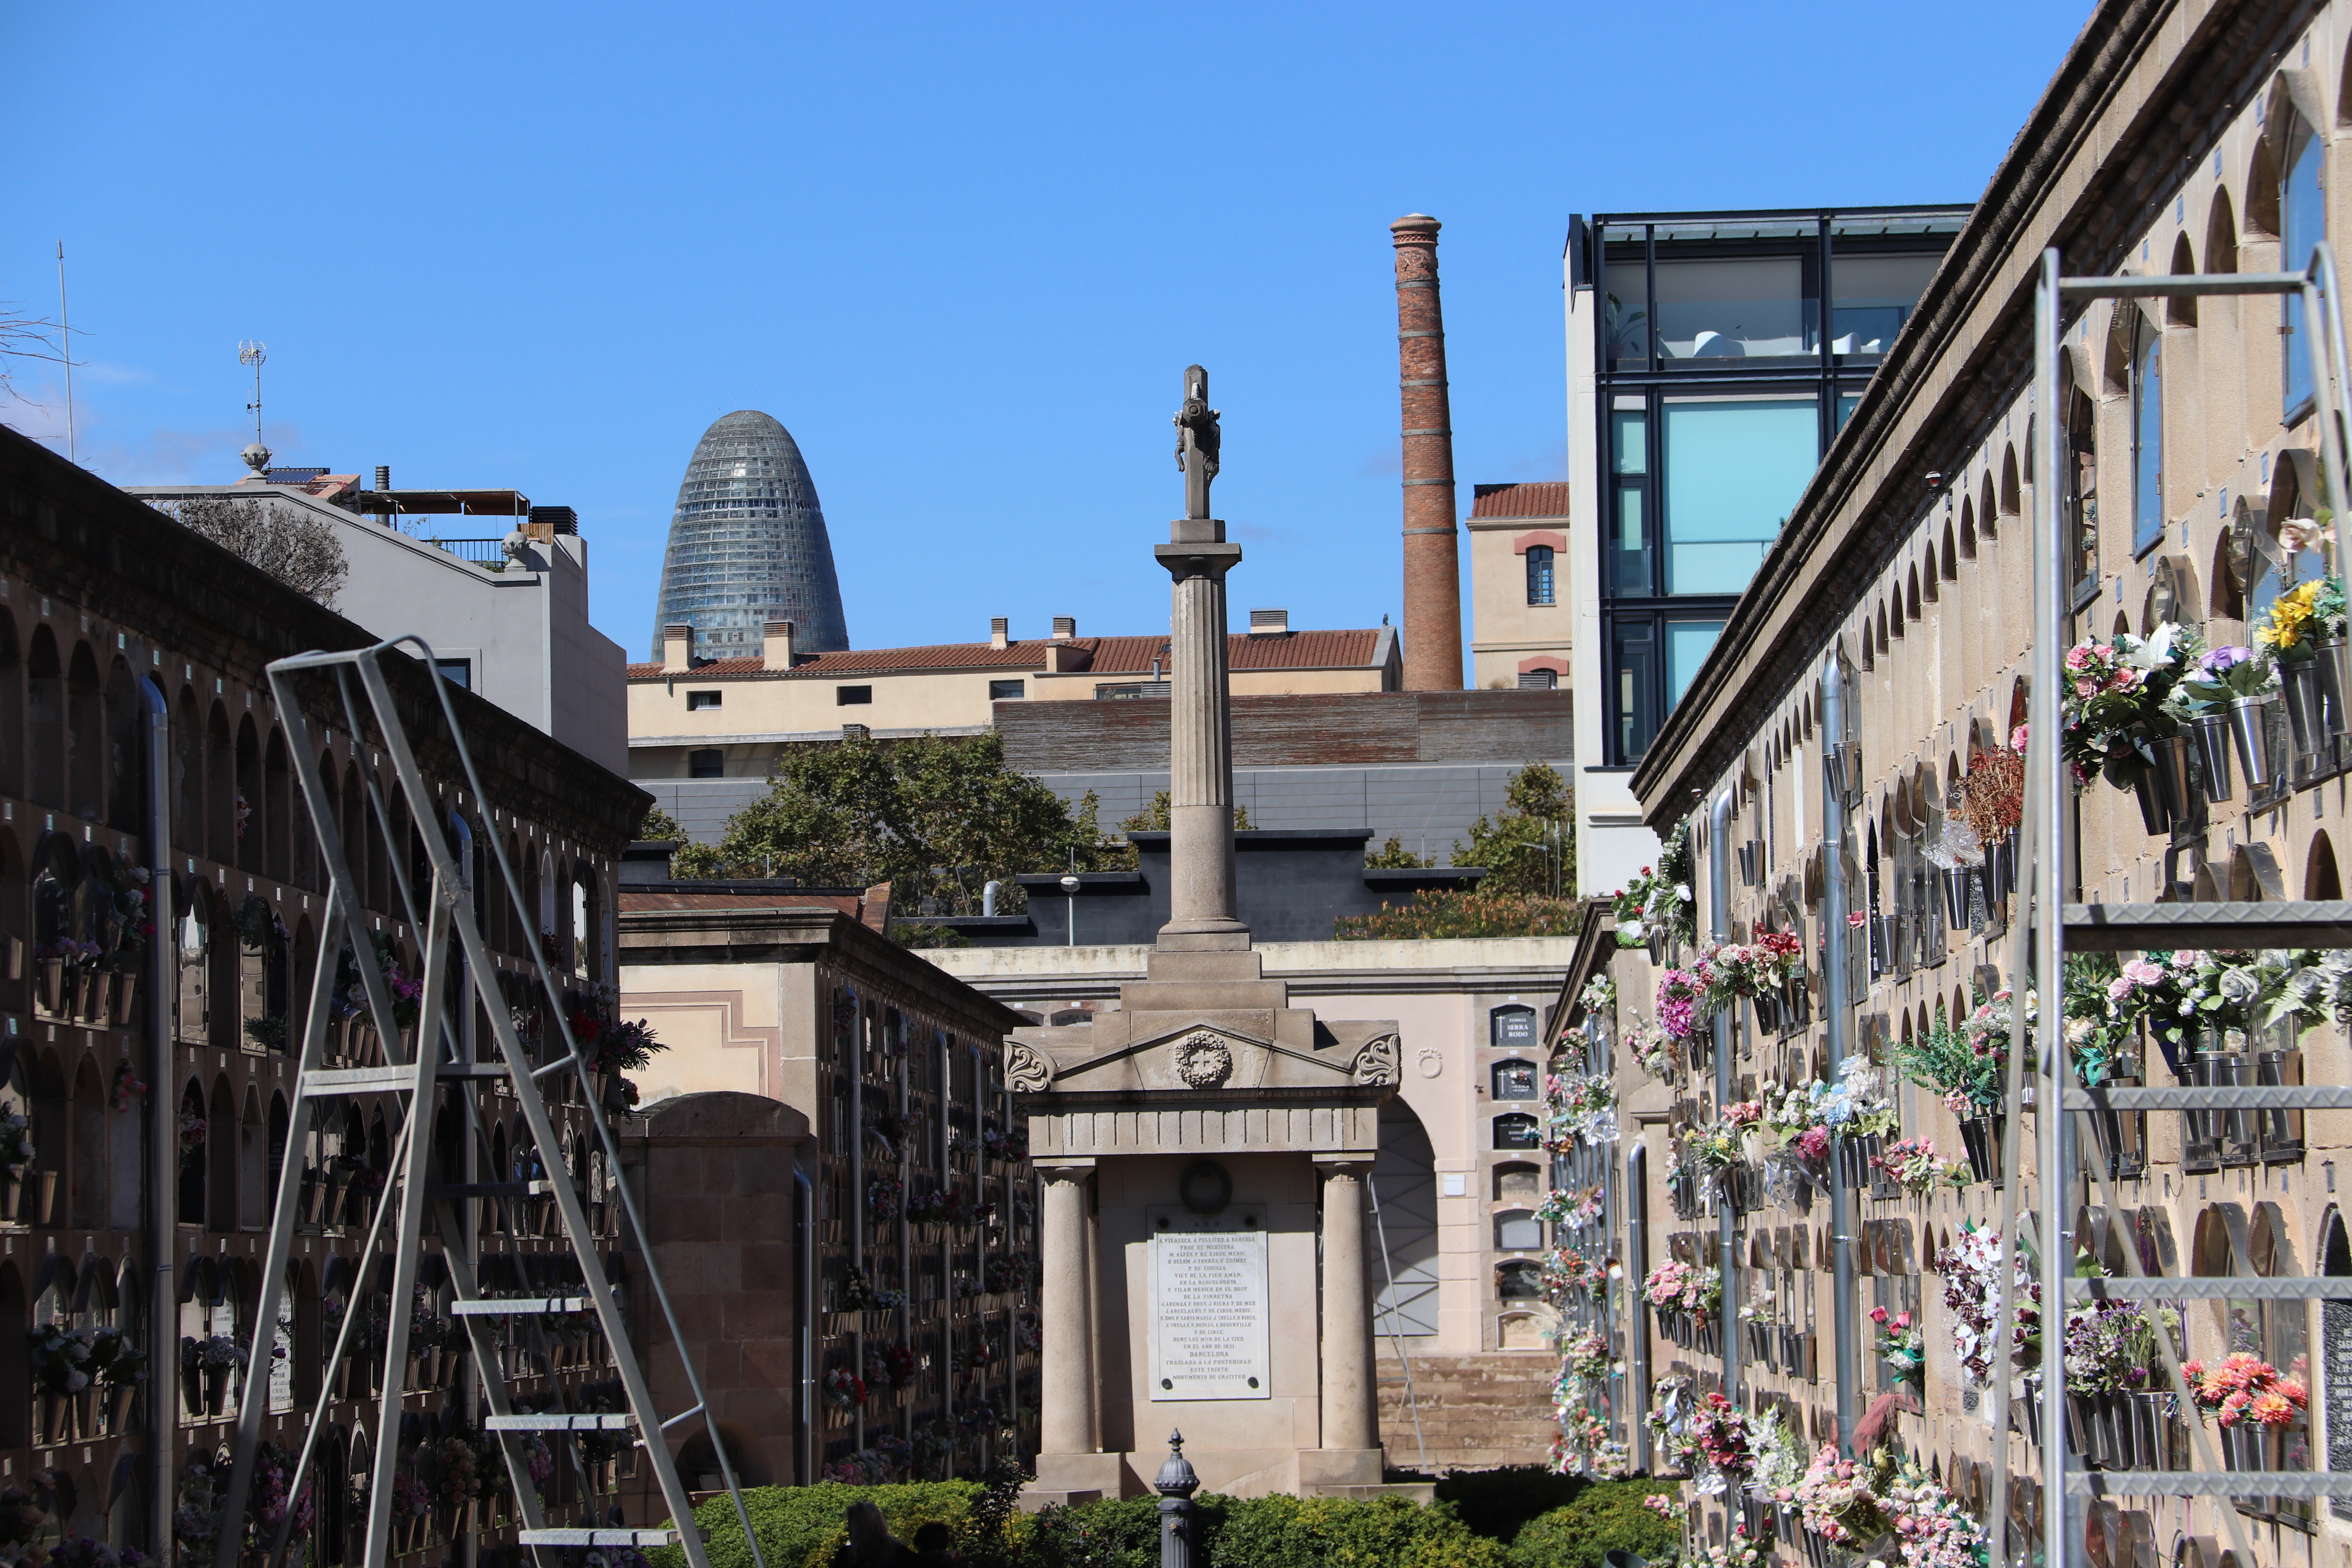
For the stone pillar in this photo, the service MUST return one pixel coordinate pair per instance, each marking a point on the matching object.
(1066, 1402)
(1432, 566)
(1200, 901)
(1350, 1411)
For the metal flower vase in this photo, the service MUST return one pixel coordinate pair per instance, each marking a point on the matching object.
(2328, 656)
(2174, 780)
(2249, 728)
(2307, 705)
(2154, 811)
(2211, 735)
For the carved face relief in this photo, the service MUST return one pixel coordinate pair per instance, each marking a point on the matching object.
(1203, 1061)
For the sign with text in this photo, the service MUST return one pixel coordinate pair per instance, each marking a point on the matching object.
(1209, 1314)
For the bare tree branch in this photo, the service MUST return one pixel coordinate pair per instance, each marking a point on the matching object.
(298, 550)
(24, 337)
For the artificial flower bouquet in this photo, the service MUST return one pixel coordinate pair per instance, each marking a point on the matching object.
(2303, 616)
(2244, 1387)
(1901, 1345)
(1841, 1499)
(1682, 1012)
(1720, 1434)
(1676, 1286)
(1649, 1048)
(1971, 1270)
(1911, 1165)
(1963, 1065)
(2117, 701)
(1931, 1527)
(1582, 1106)
(2111, 1347)
(1598, 995)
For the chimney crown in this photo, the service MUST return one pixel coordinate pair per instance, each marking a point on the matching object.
(1065, 625)
(776, 644)
(1269, 622)
(678, 648)
(1414, 227)
(999, 632)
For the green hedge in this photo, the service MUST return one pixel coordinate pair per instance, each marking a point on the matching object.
(801, 1527)
(1497, 1502)
(1604, 1515)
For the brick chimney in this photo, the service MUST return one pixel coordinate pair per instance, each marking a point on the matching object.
(678, 648)
(1432, 570)
(1066, 627)
(776, 644)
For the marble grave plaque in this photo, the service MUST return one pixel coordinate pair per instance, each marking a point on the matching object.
(1209, 1313)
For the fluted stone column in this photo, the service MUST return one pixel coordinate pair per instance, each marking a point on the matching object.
(1201, 900)
(1350, 1414)
(1067, 1402)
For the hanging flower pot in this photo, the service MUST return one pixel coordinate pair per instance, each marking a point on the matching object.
(1981, 1138)
(1954, 881)
(126, 998)
(51, 983)
(215, 1386)
(2154, 811)
(2328, 656)
(2306, 713)
(2249, 728)
(2210, 732)
(2174, 779)
(116, 1397)
(45, 1197)
(12, 1193)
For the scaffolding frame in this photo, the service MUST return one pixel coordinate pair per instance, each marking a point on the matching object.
(356, 684)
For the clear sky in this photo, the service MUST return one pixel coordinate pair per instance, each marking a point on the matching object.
(963, 253)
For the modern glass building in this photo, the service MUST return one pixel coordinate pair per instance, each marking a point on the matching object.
(748, 545)
(1712, 359)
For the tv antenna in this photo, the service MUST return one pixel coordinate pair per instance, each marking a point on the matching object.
(65, 343)
(255, 352)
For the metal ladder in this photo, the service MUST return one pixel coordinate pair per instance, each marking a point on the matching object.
(356, 684)
(2041, 944)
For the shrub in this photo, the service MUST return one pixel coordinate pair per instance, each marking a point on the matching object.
(1604, 1516)
(1347, 1532)
(801, 1527)
(1443, 912)
(1496, 1502)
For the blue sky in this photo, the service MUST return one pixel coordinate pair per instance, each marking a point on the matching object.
(963, 253)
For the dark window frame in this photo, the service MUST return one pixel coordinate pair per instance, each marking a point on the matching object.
(852, 695)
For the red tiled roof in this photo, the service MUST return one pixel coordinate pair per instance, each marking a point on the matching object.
(1099, 656)
(1544, 498)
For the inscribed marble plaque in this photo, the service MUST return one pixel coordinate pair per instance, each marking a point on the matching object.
(1209, 1315)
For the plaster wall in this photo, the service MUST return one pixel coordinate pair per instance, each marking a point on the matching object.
(1505, 629)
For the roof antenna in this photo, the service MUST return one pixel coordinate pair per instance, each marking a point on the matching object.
(254, 352)
(65, 340)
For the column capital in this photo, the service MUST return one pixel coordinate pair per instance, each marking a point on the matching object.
(1205, 559)
(1350, 1162)
(1065, 1168)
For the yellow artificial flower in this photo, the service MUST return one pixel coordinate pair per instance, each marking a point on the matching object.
(2289, 614)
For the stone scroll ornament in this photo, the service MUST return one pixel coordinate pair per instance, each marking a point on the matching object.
(1026, 1068)
(1376, 1063)
(1202, 1060)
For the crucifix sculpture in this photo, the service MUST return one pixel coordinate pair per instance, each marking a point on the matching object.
(1196, 442)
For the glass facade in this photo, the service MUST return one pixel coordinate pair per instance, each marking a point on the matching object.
(747, 546)
(1722, 381)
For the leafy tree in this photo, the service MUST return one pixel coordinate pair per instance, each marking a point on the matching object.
(1438, 912)
(1393, 856)
(1605, 1516)
(659, 824)
(1530, 846)
(1154, 819)
(936, 816)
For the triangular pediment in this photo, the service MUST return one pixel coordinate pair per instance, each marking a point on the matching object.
(1207, 1054)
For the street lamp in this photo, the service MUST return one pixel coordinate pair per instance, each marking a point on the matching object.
(1070, 891)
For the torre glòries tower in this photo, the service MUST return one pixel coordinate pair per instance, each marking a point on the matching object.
(747, 546)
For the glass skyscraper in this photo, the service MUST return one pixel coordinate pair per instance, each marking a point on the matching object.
(747, 546)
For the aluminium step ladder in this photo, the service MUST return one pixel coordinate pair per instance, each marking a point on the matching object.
(458, 975)
(2039, 953)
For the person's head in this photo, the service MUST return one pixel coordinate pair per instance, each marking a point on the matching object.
(934, 1537)
(869, 1535)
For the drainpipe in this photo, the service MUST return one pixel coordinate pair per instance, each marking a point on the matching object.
(1637, 1268)
(1835, 1005)
(805, 1326)
(1718, 901)
(162, 1128)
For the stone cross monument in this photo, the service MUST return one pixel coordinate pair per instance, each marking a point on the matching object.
(1205, 1147)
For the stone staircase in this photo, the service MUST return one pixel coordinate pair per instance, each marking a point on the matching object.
(1476, 1411)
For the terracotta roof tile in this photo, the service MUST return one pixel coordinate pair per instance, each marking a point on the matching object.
(1346, 649)
(1545, 498)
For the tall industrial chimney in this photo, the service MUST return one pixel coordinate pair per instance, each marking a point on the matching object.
(1433, 571)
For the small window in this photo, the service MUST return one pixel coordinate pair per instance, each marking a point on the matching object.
(709, 763)
(1540, 575)
(698, 700)
(852, 696)
(1518, 1230)
(1521, 1279)
(1515, 1130)
(1511, 1025)
(1539, 680)
(456, 671)
(1514, 1080)
(1007, 691)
